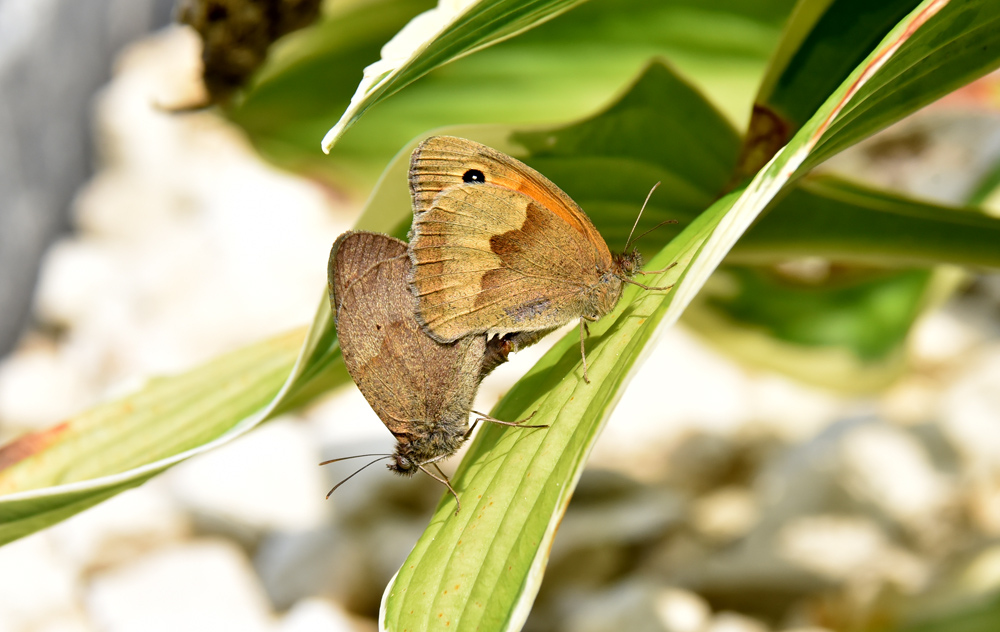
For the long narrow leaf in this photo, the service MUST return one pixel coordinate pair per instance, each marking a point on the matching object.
(433, 38)
(482, 568)
(49, 476)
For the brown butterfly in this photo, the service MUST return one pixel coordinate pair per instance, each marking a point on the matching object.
(421, 389)
(497, 248)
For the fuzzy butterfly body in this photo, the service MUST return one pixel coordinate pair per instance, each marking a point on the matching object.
(498, 248)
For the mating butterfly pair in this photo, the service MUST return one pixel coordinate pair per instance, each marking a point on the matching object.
(498, 257)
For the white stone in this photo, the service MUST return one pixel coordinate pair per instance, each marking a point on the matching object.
(316, 615)
(344, 418)
(267, 479)
(849, 549)
(37, 586)
(681, 610)
(912, 400)
(628, 605)
(734, 622)
(971, 410)
(889, 467)
(39, 388)
(205, 586)
(832, 546)
(684, 387)
(725, 513)
(666, 401)
(191, 244)
(121, 528)
(77, 623)
(939, 337)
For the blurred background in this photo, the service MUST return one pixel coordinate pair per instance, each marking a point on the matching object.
(141, 235)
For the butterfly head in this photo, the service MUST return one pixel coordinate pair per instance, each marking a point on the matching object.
(425, 445)
(627, 264)
(402, 464)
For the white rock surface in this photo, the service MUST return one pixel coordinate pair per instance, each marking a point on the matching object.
(890, 468)
(121, 528)
(735, 622)
(267, 479)
(29, 377)
(629, 605)
(685, 387)
(190, 243)
(971, 410)
(316, 615)
(850, 548)
(726, 513)
(682, 610)
(205, 585)
(38, 587)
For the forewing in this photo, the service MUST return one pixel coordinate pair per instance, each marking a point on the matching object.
(406, 376)
(491, 259)
(441, 162)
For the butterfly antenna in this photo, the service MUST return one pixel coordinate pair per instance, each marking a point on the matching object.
(385, 456)
(356, 456)
(663, 223)
(639, 216)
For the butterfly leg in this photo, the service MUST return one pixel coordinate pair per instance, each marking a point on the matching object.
(443, 479)
(660, 271)
(648, 287)
(516, 424)
(583, 350)
(468, 433)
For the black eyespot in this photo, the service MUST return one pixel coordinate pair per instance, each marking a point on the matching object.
(473, 175)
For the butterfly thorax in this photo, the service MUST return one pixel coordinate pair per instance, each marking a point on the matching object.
(602, 297)
(425, 445)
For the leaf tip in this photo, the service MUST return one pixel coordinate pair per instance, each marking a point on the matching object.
(332, 136)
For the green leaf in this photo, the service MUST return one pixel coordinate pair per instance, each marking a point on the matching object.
(822, 43)
(838, 220)
(870, 98)
(49, 476)
(986, 188)
(841, 316)
(472, 568)
(869, 313)
(308, 79)
(564, 69)
(951, 43)
(436, 37)
(981, 615)
(481, 569)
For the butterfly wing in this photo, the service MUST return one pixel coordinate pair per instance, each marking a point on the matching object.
(496, 246)
(407, 377)
(441, 162)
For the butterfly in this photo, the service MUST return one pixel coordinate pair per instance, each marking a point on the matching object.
(421, 389)
(498, 249)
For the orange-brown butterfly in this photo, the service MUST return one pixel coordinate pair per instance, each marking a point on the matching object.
(420, 388)
(497, 248)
